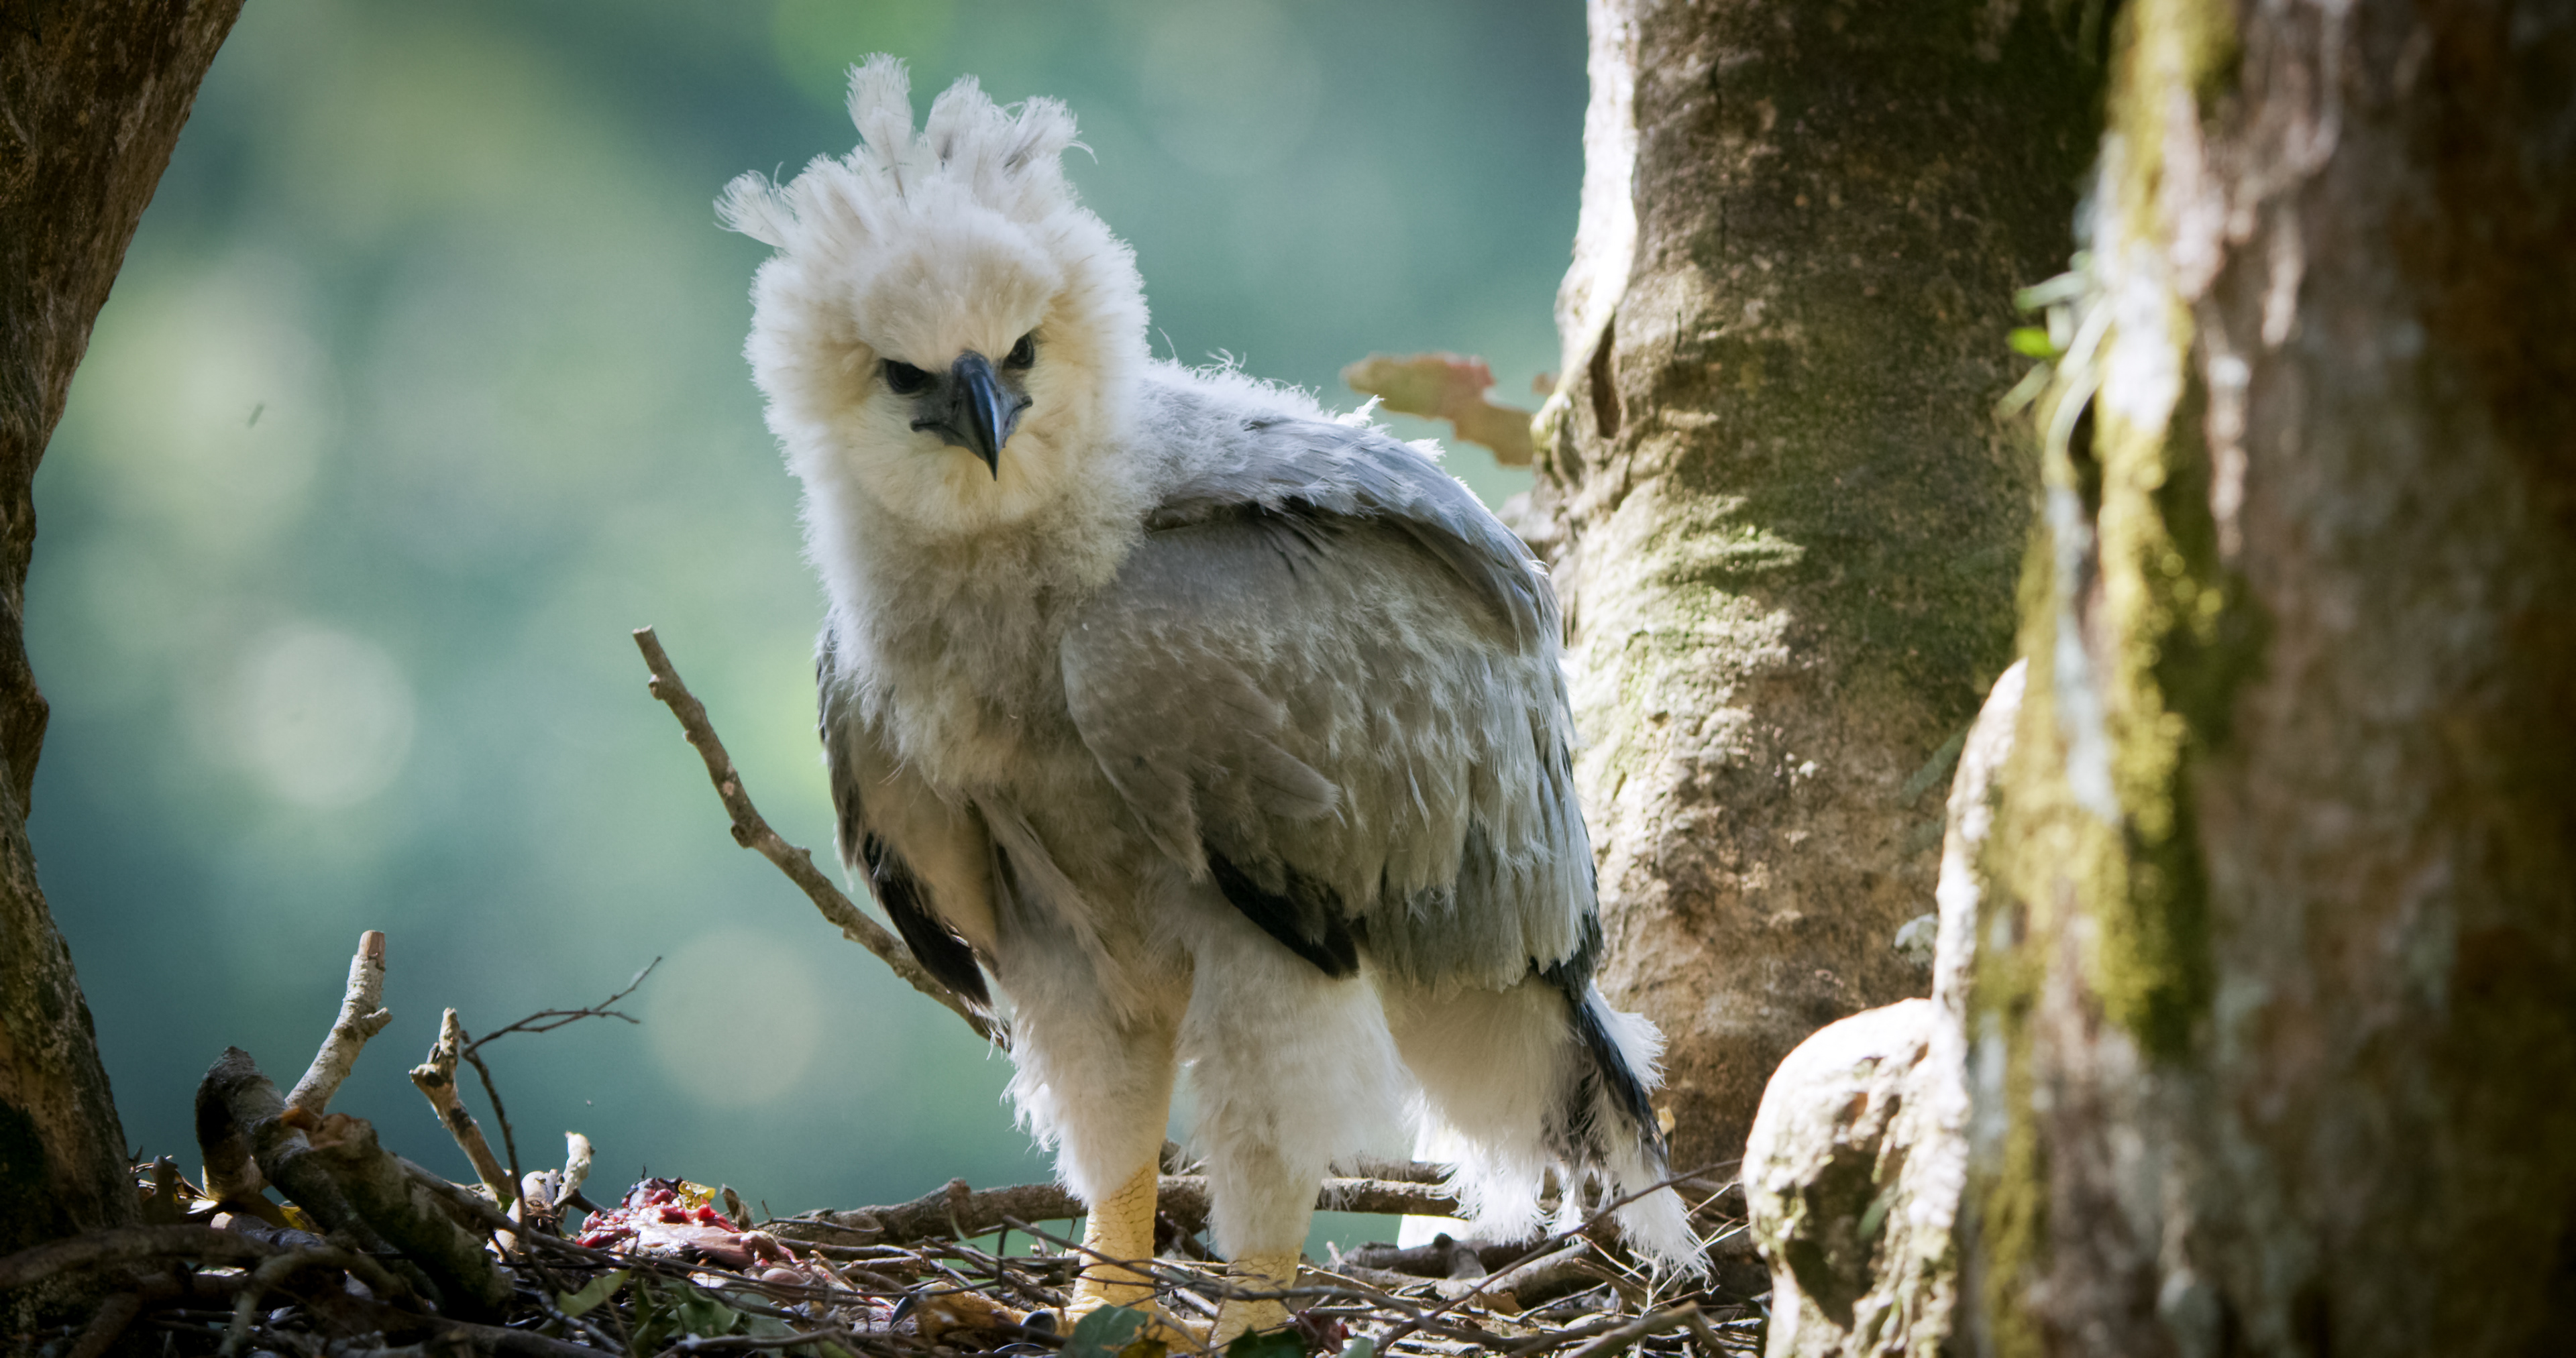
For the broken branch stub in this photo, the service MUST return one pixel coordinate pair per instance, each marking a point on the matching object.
(362, 1016)
(753, 832)
(436, 1080)
(236, 1101)
(576, 1168)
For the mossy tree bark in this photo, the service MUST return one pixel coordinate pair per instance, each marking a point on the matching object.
(1783, 515)
(92, 96)
(2276, 1028)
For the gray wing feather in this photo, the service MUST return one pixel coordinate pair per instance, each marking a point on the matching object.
(927, 862)
(1309, 467)
(1329, 668)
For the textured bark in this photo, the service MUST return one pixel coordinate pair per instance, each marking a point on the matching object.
(92, 95)
(1826, 1187)
(2278, 1054)
(1855, 1169)
(1784, 518)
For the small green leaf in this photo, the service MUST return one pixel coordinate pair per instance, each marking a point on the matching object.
(1873, 1218)
(1276, 1344)
(2030, 341)
(1104, 1332)
(594, 1292)
(1361, 1346)
(701, 1314)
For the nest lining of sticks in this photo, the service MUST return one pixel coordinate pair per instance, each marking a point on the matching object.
(372, 1255)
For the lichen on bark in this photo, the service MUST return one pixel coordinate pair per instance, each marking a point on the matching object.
(2242, 1086)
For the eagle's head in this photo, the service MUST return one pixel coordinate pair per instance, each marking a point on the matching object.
(943, 329)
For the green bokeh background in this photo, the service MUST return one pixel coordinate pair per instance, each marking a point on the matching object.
(422, 386)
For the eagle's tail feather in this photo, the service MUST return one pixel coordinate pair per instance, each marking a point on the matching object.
(1544, 1075)
(1611, 1128)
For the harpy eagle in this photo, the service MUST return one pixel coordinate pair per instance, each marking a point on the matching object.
(1219, 731)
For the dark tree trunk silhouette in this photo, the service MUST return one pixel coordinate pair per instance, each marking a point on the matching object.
(92, 96)
(2278, 1054)
(1783, 514)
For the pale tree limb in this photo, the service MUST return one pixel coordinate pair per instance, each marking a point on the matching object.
(362, 1016)
(436, 1080)
(1446, 387)
(752, 832)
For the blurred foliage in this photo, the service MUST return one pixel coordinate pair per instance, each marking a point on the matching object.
(422, 386)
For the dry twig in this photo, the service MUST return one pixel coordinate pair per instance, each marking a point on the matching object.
(1543, 1249)
(547, 1020)
(752, 832)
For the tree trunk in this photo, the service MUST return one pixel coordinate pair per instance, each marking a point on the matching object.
(95, 93)
(1783, 515)
(2278, 1052)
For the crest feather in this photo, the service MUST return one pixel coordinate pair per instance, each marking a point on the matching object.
(1006, 158)
(881, 106)
(753, 206)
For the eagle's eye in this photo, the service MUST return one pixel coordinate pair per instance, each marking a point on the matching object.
(904, 379)
(1023, 353)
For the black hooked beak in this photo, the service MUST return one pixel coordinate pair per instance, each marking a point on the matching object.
(978, 414)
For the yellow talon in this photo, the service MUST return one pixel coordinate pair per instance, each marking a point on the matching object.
(1240, 1315)
(1120, 1228)
(1120, 1233)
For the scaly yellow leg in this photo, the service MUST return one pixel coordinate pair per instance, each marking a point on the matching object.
(1260, 1273)
(1121, 1227)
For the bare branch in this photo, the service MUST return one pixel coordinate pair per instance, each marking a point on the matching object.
(362, 1016)
(957, 1212)
(547, 1020)
(436, 1080)
(752, 832)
